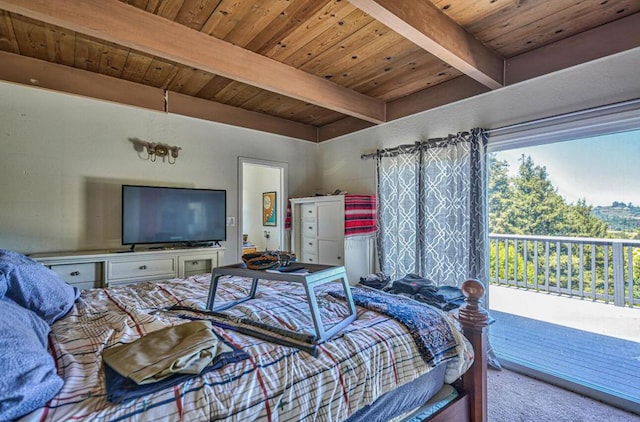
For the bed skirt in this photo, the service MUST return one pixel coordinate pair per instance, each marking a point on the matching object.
(403, 399)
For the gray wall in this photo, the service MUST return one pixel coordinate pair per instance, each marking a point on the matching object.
(63, 159)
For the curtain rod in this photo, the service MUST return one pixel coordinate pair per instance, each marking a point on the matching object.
(609, 108)
(401, 148)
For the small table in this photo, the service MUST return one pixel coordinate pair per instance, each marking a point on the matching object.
(315, 275)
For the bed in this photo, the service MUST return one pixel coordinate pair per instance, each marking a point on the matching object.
(374, 369)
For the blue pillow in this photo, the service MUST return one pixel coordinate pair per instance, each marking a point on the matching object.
(4, 285)
(28, 377)
(33, 286)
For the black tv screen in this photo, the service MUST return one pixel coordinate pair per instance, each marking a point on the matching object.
(172, 215)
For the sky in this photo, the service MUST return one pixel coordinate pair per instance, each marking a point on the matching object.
(601, 169)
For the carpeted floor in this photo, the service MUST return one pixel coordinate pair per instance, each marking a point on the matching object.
(513, 397)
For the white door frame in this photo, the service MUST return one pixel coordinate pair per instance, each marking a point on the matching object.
(281, 199)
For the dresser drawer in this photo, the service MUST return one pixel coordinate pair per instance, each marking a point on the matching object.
(308, 212)
(308, 228)
(83, 276)
(197, 266)
(309, 245)
(310, 258)
(140, 269)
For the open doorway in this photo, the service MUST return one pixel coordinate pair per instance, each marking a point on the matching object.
(564, 253)
(262, 204)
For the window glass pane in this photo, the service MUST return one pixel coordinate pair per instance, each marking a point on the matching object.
(564, 221)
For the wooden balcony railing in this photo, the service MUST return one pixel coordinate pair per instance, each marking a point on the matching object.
(606, 270)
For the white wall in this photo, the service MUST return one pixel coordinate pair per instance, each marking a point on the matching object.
(63, 159)
(259, 179)
(606, 81)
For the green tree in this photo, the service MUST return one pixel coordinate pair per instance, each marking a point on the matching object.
(529, 204)
(537, 208)
(583, 223)
(500, 195)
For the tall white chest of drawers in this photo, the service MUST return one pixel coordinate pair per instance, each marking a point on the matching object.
(88, 269)
(317, 229)
(318, 236)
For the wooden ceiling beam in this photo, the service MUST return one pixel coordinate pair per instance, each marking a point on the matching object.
(46, 75)
(447, 92)
(422, 23)
(119, 23)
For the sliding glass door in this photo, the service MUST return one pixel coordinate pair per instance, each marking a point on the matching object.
(564, 243)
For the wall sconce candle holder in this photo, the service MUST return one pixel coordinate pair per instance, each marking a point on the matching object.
(156, 149)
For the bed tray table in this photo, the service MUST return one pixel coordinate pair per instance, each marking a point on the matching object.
(313, 276)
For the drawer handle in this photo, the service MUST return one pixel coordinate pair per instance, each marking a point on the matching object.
(310, 243)
(194, 262)
(339, 257)
(310, 260)
(309, 211)
(74, 273)
(310, 227)
(143, 267)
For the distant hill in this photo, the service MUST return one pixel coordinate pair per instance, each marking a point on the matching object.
(619, 216)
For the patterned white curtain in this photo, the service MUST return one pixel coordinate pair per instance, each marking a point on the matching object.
(432, 209)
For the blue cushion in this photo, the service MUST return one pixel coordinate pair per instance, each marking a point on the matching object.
(28, 377)
(34, 286)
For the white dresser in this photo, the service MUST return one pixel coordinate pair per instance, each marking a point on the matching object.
(318, 229)
(317, 236)
(89, 269)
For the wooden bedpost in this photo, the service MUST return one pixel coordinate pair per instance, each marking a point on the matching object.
(474, 319)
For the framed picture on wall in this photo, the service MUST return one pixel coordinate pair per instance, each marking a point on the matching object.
(269, 209)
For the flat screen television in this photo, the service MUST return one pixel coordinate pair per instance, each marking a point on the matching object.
(192, 217)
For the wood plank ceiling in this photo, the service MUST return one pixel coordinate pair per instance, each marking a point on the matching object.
(312, 69)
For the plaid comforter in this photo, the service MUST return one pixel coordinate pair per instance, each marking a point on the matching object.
(373, 355)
